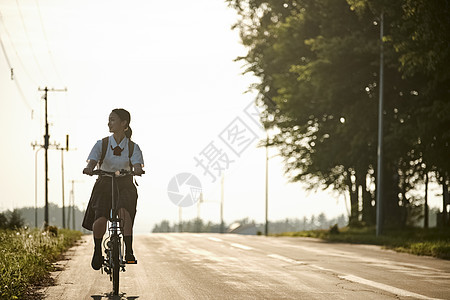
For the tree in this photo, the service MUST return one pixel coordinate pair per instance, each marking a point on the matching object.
(15, 220)
(318, 63)
(11, 220)
(3, 221)
(321, 82)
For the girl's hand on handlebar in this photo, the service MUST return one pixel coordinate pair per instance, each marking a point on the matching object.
(90, 167)
(88, 171)
(138, 170)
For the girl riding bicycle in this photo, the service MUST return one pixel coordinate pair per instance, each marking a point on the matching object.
(115, 157)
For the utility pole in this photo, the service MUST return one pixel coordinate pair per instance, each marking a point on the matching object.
(426, 210)
(35, 186)
(62, 179)
(266, 231)
(222, 224)
(34, 145)
(203, 200)
(72, 206)
(71, 213)
(380, 213)
(180, 226)
(198, 205)
(46, 146)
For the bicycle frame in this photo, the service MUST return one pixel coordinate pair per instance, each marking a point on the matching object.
(113, 245)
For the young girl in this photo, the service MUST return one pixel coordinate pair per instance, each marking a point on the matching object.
(115, 158)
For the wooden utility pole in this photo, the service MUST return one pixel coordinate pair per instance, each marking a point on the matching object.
(46, 146)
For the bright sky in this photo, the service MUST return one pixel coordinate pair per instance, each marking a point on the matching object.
(170, 63)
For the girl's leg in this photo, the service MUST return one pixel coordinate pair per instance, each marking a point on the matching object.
(127, 233)
(99, 229)
(126, 222)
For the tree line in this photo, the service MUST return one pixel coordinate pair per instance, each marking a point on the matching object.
(317, 64)
(26, 216)
(11, 220)
(288, 225)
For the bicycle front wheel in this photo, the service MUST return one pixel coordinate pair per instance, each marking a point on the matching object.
(115, 265)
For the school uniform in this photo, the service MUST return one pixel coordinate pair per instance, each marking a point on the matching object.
(116, 158)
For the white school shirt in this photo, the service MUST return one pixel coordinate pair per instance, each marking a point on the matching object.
(113, 163)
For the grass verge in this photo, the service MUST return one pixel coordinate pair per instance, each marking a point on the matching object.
(431, 242)
(26, 257)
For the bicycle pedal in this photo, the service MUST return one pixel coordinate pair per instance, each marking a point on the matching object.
(131, 262)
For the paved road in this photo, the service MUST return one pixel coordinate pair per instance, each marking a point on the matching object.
(214, 266)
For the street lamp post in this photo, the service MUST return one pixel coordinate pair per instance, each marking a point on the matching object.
(62, 181)
(203, 200)
(266, 229)
(380, 217)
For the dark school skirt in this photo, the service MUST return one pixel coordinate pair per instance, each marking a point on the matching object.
(101, 201)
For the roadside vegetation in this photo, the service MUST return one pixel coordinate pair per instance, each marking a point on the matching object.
(26, 255)
(419, 241)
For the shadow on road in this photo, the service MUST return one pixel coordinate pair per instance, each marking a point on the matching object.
(110, 296)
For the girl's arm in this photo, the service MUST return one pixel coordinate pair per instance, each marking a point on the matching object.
(90, 167)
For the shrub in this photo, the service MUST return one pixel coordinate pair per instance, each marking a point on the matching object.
(26, 258)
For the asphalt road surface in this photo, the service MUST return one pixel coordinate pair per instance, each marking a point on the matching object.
(214, 266)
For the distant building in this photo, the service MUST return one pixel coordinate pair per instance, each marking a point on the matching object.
(246, 229)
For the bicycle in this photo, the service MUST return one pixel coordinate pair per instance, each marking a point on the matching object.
(113, 245)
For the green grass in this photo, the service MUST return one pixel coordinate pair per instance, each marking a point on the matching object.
(431, 242)
(26, 258)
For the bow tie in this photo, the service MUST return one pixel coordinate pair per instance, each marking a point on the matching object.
(117, 150)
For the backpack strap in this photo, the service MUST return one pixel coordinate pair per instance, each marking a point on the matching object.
(105, 141)
(130, 152)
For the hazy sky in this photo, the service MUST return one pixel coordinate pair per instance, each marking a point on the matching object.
(170, 63)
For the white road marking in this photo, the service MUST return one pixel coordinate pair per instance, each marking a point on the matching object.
(167, 237)
(215, 239)
(356, 279)
(381, 286)
(401, 267)
(206, 254)
(286, 259)
(241, 246)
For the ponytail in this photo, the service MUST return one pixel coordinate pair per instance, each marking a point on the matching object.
(128, 132)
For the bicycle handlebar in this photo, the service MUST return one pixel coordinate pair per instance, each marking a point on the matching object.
(115, 174)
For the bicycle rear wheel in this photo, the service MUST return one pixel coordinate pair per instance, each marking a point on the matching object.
(115, 265)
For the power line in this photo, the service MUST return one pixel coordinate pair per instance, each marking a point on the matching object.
(22, 95)
(7, 59)
(48, 44)
(17, 54)
(29, 41)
